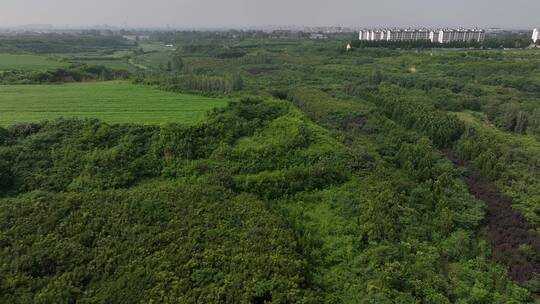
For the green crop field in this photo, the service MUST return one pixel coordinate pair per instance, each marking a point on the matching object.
(28, 62)
(114, 102)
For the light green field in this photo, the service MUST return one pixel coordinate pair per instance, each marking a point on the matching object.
(28, 62)
(159, 47)
(114, 102)
(154, 60)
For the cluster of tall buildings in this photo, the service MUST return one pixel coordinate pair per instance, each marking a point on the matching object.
(440, 36)
(536, 36)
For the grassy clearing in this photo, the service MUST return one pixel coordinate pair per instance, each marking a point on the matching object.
(157, 60)
(155, 47)
(114, 102)
(28, 62)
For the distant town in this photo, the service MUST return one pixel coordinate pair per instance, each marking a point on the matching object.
(443, 35)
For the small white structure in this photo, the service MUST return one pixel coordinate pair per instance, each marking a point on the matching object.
(136, 37)
(536, 36)
(317, 36)
(349, 47)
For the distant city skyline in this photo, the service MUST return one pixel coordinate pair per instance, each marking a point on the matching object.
(517, 14)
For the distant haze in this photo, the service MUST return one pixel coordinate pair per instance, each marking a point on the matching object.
(240, 13)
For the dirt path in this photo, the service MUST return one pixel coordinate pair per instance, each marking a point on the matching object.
(514, 241)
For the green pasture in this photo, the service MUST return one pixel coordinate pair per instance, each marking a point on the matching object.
(28, 62)
(114, 102)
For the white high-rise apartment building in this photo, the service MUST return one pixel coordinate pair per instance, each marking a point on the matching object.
(440, 36)
(434, 36)
(536, 35)
(363, 35)
(463, 35)
(372, 35)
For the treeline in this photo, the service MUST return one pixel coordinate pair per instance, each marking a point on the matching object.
(513, 116)
(62, 43)
(215, 49)
(190, 36)
(179, 76)
(74, 73)
(446, 93)
(442, 128)
(507, 42)
(202, 84)
(524, 84)
(450, 94)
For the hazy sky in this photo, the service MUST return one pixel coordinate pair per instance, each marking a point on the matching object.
(234, 13)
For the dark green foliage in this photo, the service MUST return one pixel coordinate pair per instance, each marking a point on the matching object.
(71, 154)
(276, 184)
(6, 177)
(160, 243)
(231, 54)
(4, 136)
(167, 240)
(509, 116)
(177, 62)
(413, 219)
(521, 41)
(62, 43)
(76, 73)
(161, 213)
(200, 84)
(485, 152)
(375, 78)
(444, 129)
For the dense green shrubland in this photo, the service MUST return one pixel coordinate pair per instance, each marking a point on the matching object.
(62, 43)
(406, 227)
(335, 194)
(164, 243)
(74, 73)
(255, 204)
(512, 163)
(107, 237)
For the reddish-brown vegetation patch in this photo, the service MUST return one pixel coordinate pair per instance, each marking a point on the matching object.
(514, 240)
